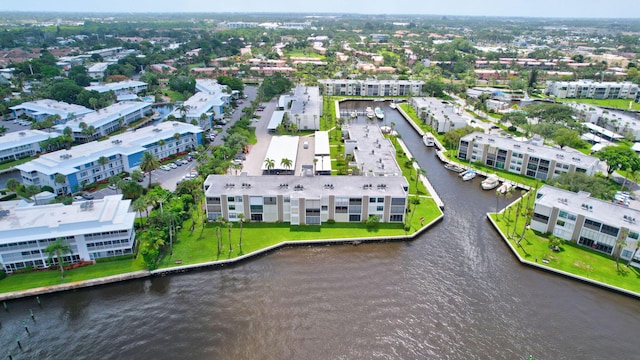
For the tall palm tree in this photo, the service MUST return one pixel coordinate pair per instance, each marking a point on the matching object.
(102, 160)
(139, 206)
(183, 110)
(149, 163)
(58, 249)
(59, 179)
(32, 190)
(286, 163)
(241, 220)
(419, 171)
(269, 164)
(229, 227)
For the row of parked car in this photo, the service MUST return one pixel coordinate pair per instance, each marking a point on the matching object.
(22, 122)
(175, 164)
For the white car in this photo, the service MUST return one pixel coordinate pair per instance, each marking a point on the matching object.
(173, 166)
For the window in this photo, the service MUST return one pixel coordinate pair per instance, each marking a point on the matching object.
(341, 209)
(372, 200)
(540, 218)
(593, 225)
(395, 218)
(379, 208)
(270, 200)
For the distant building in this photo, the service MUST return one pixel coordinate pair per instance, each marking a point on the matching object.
(97, 70)
(530, 159)
(587, 221)
(20, 144)
(107, 120)
(441, 115)
(618, 122)
(123, 152)
(371, 87)
(206, 105)
(592, 89)
(39, 110)
(121, 88)
(94, 229)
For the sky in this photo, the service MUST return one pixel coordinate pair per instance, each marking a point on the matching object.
(526, 8)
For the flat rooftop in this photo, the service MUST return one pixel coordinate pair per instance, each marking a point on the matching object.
(53, 107)
(23, 137)
(375, 155)
(27, 222)
(306, 186)
(116, 86)
(105, 116)
(282, 147)
(583, 204)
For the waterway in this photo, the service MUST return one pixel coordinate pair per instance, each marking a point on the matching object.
(456, 292)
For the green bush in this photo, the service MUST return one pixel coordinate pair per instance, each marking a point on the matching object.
(331, 221)
(11, 196)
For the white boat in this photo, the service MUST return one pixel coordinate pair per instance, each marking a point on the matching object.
(504, 188)
(491, 182)
(369, 112)
(393, 106)
(454, 167)
(469, 175)
(428, 140)
(379, 113)
(354, 114)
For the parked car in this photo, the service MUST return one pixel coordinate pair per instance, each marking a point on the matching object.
(126, 178)
(184, 161)
(178, 163)
(78, 198)
(87, 196)
(173, 166)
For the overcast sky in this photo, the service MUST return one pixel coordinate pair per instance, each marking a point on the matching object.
(531, 8)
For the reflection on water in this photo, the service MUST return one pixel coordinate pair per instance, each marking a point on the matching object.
(456, 292)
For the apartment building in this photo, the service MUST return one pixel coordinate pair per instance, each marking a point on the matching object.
(441, 115)
(531, 158)
(592, 89)
(99, 160)
(39, 110)
(94, 229)
(20, 144)
(588, 221)
(371, 87)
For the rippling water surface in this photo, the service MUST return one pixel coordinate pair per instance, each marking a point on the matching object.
(454, 293)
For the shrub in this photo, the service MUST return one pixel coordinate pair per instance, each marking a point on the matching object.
(331, 221)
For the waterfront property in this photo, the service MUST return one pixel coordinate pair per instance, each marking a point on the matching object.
(39, 110)
(204, 106)
(372, 153)
(441, 115)
(99, 160)
(306, 200)
(614, 123)
(20, 144)
(590, 222)
(94, 229)
(106, 121)
(593, 89)
(531, 158)
(371, 87)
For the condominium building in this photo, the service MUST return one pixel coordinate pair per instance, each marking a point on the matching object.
(39, 110)
(308, 200)
(97, 70)
(619, 122)
(204, 106)
(588, 221)
(94, 229)
(120, 88)
(531, 158)
(371, 87)
(592, 89)
(20, 144)
(107, 120)
(441, 115)
(304, 107)
(99, 160)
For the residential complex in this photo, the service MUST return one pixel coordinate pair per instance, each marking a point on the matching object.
(205, 105)
(371, 87)
(25, 143)
(121, 88)
(530, 158)
(105, 121)
(39, 110)
(619, 122)
(305, 200)
(94, 229)
(441, 115)
(82, 164)
(588, 221)
(593, 89)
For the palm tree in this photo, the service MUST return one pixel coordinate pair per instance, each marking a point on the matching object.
(32, 190)
(103, 160)
(229, 226)
(149, 163)
(12, 184)
(269, 164)
(67, 131)
(286, 163)
(59, 179)
(58, 249)
(139, 206)
(183, 110)
(241, 220)
(236, 167)
(419, 172)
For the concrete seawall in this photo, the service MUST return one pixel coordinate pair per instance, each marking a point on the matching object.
(551, 270)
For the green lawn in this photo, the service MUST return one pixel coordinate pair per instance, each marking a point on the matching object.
(305, 54)
(174, 95)
(572, 258)
(614, 103)
(52, 277)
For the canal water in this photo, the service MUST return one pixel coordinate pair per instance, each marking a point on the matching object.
(455, 292)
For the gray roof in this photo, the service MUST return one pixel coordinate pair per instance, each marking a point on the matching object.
(311, 186)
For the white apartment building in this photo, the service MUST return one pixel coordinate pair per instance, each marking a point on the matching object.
(371, 87)
(94, 229)
(82, 164)
(39, 110)
(120, 88)
(524, 158)
(588, 221)
(304, 107)
(592, 89)
(204, 106)
(441, 115)
(107, 120)
(20, 144)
